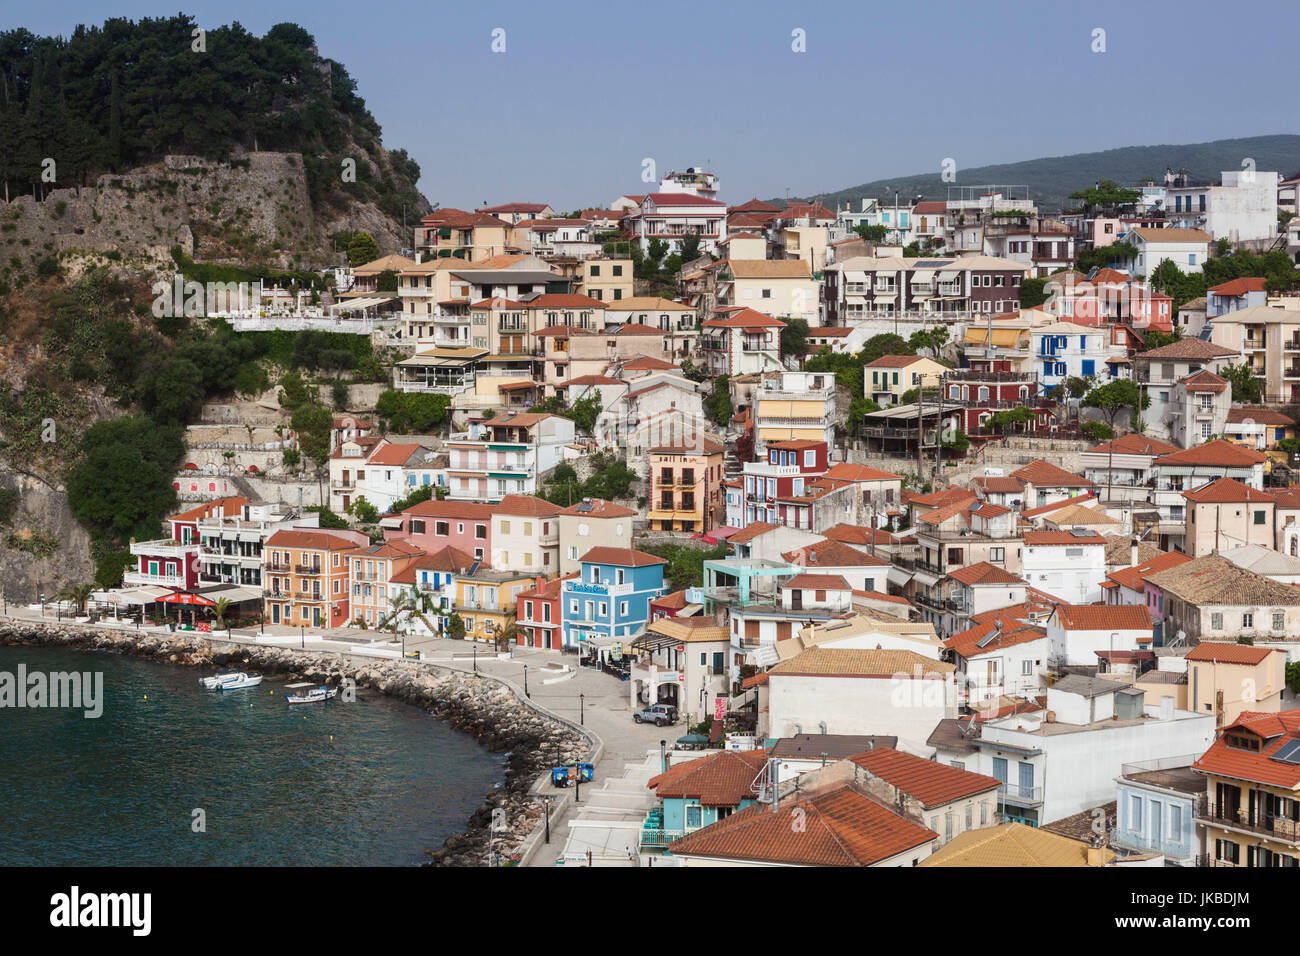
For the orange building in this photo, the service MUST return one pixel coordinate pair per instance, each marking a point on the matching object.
(305, 576)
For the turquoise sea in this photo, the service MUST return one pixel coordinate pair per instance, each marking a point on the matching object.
(367, 783)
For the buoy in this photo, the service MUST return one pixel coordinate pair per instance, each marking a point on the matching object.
(146, 696)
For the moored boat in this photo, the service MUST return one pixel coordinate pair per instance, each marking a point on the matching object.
(308, 693)
(242, 681)
(216, 680)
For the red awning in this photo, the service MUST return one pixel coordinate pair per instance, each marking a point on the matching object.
(180, 597)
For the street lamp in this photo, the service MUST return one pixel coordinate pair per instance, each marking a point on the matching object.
(302, 635)
(582, 709)
(526, 694)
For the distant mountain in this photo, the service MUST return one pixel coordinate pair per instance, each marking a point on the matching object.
(1052, 179)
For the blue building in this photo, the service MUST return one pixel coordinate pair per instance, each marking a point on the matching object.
(1155, 809)
(430, 577)
(699, 792)
(610, 598)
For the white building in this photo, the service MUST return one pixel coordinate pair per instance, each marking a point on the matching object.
(1242, 207)
(1063, 350)
(1069, 565)
(1079, 634)
(1186, 248)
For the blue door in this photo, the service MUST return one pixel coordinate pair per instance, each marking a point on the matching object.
(1000, 770)
(1089, 366)
(1026, 780)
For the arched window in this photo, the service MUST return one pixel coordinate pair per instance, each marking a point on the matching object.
(1024, 392)
(965, 393)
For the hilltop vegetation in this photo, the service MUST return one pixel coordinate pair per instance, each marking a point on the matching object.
(125, 94)
(1052, 179)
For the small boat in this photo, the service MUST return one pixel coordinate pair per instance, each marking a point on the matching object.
(215, 681)
(308, 693)
(241, 681)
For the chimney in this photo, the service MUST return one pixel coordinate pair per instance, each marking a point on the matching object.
(1166, 708)
(1133, 552)
(1096, 856)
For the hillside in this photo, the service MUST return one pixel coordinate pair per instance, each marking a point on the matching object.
(126, 137)
(1052, 179)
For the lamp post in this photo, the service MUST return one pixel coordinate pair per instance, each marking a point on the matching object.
(582, 698)
(302, 636)
(526, 694)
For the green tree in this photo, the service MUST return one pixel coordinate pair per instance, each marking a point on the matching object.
(1033, 292)
(1247, 389)
(363, 511)
(871, 233)
(455, 627)
(122, 484)
(312, 424)
(586, 410)
(794, 337)
(1107, 196)
(1114, 397)
(328, 519)
(717, 404)
(362, 249)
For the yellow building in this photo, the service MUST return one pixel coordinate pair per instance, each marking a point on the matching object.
(1228, 679)
(485, 601)
(606, 280)
(1251, 811)
(885, 380)
(686, 486)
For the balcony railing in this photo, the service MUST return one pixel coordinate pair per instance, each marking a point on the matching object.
(1143, 843)
(658, 839)
(1246, 818)
(1019, 794)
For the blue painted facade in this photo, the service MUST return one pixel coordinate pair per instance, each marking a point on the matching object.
(609, 600)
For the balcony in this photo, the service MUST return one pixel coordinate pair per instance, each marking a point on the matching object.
(1141, 843)
(658, 839)
(163, 548)
(163, 580)
(1023, 796)
(1252, 820)
(306, 569)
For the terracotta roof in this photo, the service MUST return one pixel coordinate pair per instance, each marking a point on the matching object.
(591, 380)
(1235, 287)
(394, 454)
(673, 602)
(1259, 416)
(838, 826)
(1043, 474)
(1213, 579)
(1133, 444)
(944, 496)
(967, 643)
(621, 557)
(1222, 652)
(984, 573)
(854, 535)
(1040, 538)
(433, 508)
(817, 582)
(850, 662)
(1013, 845)
(718, 780)
(1220, 453)
(1171, 235)
(647, 362)
(1223, 490)
(691, 629)
(221, 507)
(770, 268)
(565, 300)
(448, 559)
(895, 361)
(928, 781)
(995, 484)
(529, 506)
(681, 199)
(598, 508)
(1277, 730)
(1204, 381)
(1189, 349)
(831, 554)
(989, 510)
(519, 419)
(1057, 505)
(1133, 577)
(1099, 617)
(396, 548)
(751, 531)
(1072, 515)
(849, 472)
(549, 589)
(745, 319)
(310, 540)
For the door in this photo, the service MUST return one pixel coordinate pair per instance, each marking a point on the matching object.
(1157, 821)
(275, 614)
(1026, 780)
(1000, 771)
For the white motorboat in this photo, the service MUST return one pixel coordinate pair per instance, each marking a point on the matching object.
(215, 681)
(241, 681)
(308, 693)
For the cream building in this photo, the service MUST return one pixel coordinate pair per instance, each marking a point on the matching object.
(525, 535)
(592, 523)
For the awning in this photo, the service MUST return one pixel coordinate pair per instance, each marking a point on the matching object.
(395, 523)
(144, 594)
(235, 594)
(349, 305)
(922, 275)
(182, 597)
(948, 276)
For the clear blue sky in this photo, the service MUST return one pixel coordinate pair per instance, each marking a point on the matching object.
(585, 90)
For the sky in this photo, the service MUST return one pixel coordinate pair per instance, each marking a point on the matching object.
(584, 92)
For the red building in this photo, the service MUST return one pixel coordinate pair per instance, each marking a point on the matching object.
(174, 561)
(538, 614)
(977, 395)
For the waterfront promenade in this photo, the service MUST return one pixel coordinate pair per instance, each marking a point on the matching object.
(596, 701)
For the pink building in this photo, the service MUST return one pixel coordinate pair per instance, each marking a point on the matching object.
(434, 525)
(174, 561)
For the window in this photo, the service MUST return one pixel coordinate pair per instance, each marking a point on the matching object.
(1279, 620)
(1135, 814)
(1259, 517)
(480, 532)
(693, 816)
(1026, 668)
(1216, 622)
(1247, 620)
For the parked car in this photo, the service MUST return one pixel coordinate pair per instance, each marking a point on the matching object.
(661, 715)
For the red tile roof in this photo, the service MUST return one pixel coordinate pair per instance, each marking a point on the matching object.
(1041, 538)
(622, 557)
(1222, 652)
(598, 508)
(839, 826)
(855, 535)
(310, 540)
(1235, 287)
(1224, 490)
(1133, 577)
(1134, 444)
(745, 319)
(1219, 453)
(751, 531)
(1204, 381)
(529, 506)
(1259, 416)
(450, 509)
(894, 361)
(928, 781)
(1043, 474)
(849, 472)
(394, 454)
(1276, 730)
(1057, 505)
(831, 554)
(719, 780)
(817, 582)
(1013, 631)
(1098, 617)
(984, 573)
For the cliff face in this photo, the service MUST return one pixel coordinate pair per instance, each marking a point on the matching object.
(43, 548)
(255, 208)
